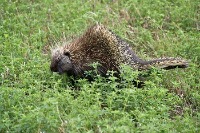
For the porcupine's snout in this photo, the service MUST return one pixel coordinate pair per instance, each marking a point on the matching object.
(64, 65)
(61, 65)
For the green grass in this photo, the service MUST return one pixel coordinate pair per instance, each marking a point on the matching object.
(32, 99)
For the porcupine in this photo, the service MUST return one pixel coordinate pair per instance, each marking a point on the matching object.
(99, 44)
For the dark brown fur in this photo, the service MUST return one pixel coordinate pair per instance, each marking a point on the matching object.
(98, 44)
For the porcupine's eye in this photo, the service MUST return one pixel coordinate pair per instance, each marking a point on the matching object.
(67, 54)
(57, 59)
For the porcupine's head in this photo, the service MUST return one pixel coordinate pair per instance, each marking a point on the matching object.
(60, 61)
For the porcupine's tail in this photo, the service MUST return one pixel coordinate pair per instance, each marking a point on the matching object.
(164, 63)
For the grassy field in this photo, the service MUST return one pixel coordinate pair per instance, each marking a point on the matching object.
(32, 99)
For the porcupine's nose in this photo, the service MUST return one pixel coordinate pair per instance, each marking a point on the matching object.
(53, 68)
